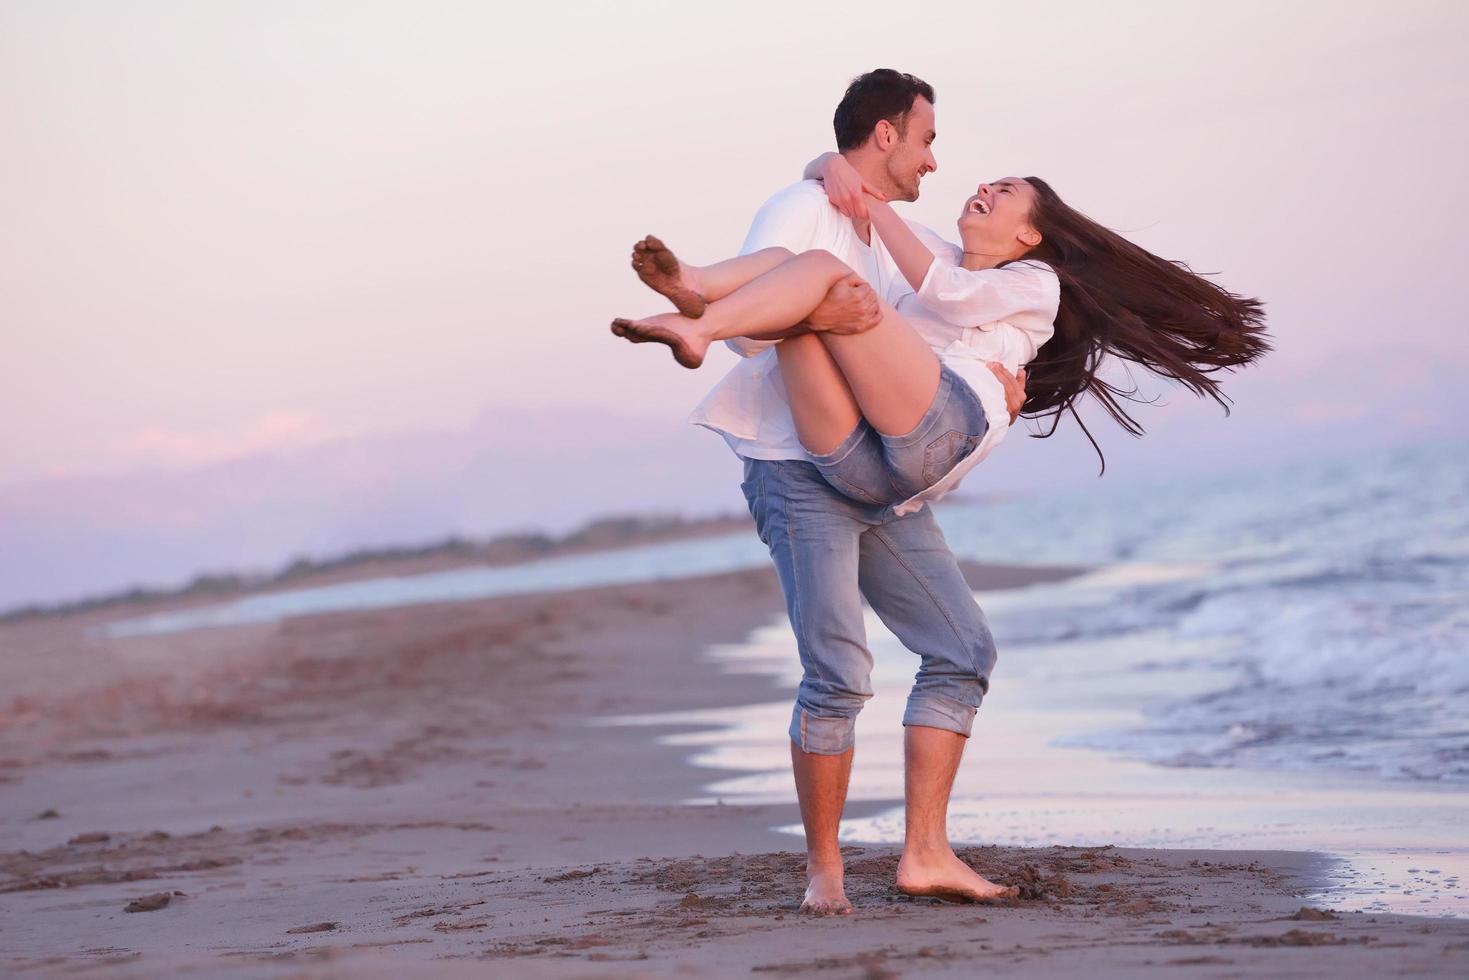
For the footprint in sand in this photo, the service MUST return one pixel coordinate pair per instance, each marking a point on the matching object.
(149, 903)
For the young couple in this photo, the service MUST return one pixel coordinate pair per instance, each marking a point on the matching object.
(881, 364)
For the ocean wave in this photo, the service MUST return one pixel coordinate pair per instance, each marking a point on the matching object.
(1335, 598)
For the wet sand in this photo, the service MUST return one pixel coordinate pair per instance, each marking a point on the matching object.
(415, 792)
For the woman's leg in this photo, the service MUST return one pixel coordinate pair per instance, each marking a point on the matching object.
(887, 374)
(769, 306)
(852, 454)
(892, 372)
(821, 402)
(895, 384)
(690, 287)
(722, 278)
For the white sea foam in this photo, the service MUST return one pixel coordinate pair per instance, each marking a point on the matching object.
(1335, 594)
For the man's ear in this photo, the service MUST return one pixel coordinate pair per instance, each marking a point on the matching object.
(884, 135)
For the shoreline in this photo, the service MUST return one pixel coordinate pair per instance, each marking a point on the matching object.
(424, 779)
(451, 554)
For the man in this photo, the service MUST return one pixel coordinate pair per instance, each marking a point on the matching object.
(831, 551)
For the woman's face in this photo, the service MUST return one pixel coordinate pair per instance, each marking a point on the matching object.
(996, 220)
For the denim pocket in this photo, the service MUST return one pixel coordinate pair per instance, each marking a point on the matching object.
(753, 487)
(941, 455)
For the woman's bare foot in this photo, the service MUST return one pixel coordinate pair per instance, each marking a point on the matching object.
(662, 272)
(824, 892)
(943, 875)
(689, 343)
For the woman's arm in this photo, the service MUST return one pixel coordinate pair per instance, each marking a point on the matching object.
(912, 256)
(845, 187)
(814, 169)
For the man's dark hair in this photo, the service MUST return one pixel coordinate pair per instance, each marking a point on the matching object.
(880, 94)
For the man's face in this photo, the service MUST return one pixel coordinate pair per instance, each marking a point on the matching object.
(912, 156)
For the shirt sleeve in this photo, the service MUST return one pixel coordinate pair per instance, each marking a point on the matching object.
(791, 219)
(898, 287)
(981, 297)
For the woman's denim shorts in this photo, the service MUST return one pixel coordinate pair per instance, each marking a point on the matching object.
(877, 469)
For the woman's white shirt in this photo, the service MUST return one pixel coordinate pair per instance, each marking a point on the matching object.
(971, 317)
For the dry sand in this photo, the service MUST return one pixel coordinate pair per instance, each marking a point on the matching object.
(413, 792)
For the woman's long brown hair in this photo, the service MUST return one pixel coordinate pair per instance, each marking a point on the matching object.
(1119, 299)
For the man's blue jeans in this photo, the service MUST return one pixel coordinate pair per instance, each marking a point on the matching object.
(830, 552)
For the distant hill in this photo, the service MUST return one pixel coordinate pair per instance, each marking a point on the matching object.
(505, 549)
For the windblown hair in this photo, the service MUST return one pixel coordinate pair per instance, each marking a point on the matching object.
(1122, 300)
(880, 94)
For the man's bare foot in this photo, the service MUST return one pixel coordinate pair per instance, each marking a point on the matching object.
(944, 876)
(662, 272)
(689, 345)
(824, 892)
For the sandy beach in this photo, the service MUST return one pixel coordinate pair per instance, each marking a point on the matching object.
(418, 792)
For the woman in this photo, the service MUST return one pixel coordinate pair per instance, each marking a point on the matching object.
(896, 412)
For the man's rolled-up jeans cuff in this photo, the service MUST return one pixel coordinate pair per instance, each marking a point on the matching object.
(822, 736)
(940, 711)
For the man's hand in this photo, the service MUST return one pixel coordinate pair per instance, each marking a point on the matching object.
(1014, 388)
(849, 307)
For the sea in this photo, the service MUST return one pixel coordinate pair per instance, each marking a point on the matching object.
(1329, 600)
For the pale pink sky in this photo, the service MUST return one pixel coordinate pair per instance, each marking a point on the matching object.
(231, 229)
